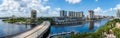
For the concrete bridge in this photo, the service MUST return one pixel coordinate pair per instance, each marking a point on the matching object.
(40, 31)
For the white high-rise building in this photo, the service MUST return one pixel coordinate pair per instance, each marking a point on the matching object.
(91, 15)
(63, 13)
(118, 13)
(79, 14)
(75, 14)
(33, 16)
(71, 14)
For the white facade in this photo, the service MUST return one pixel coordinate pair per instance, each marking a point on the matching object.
(63, 13)
(91, 14)
(118, 13)
(75, 14)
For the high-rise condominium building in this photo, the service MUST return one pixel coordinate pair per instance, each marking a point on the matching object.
(33, 16)
(63, 13)
(75, 14)
(91, 14)
(118, 13)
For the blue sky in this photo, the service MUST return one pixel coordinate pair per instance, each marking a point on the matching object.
(85, 5)
(52, 7)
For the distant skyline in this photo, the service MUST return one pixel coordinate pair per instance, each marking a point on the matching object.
(51, 7)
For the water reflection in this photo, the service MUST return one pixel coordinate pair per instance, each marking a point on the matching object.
(85, 27)
(33, 25)
(9, 28)
(91, 25)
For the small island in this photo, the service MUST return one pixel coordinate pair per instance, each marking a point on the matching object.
(25, 20)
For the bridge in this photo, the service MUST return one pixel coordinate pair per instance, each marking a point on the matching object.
(39, 31)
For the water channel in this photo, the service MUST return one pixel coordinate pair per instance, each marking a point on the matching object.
(9, 28)
(90, 26)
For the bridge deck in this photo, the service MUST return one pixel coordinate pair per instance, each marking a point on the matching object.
(35, 32)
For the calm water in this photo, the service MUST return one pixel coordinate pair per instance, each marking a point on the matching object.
(86, 27)
(8, 29)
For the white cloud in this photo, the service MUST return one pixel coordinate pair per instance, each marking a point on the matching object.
(45, 8)
(73, 1)
(111, 9)
(54, 12)
(57, 9)
(23, 7)
(96, 0)
(45, 0)
(117, 7)
(101, 11)
(98, 10)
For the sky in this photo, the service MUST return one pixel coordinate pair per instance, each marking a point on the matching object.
(49, 8)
